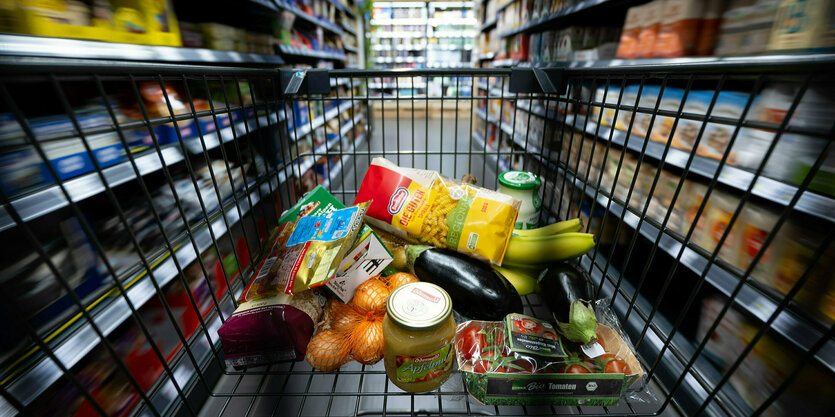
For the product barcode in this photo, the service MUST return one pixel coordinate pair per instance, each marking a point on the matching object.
(265, 269)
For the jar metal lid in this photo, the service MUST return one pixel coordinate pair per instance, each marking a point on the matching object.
(520, 180)
(419, 306)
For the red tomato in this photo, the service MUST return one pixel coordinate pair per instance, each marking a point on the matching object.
(470, 342)
(576, 369)
(613, 364)
(550, 335)
(591, 365)
(600, 340)
(498, 337)
(526, 365)
(482, 366)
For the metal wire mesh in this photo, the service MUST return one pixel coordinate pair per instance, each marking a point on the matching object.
(210, 157)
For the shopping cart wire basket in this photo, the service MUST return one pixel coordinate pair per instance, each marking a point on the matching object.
(137, 198)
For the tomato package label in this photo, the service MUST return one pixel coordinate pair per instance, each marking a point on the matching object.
(533, 336)
(425, 367)
(579, 387)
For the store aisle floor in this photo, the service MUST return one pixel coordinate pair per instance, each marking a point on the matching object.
(437, 141)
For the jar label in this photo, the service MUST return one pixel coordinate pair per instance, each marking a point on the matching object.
(425, 367)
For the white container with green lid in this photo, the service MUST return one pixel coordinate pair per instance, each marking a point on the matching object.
(523, 186)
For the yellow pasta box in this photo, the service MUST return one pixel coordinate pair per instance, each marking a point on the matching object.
(423, 206)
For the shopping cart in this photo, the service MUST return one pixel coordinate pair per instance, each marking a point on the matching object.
(121, 265)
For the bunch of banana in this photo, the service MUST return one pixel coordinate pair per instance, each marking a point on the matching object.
(555, 242)
(530, 249)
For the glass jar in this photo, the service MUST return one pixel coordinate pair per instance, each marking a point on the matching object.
(418, 331)
(523, 186)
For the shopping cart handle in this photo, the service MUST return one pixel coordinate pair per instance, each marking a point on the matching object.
(536, 80)
(312, 81)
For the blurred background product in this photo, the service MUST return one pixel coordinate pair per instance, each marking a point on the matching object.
(150, 146)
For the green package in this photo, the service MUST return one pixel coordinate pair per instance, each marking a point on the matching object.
(317, 202)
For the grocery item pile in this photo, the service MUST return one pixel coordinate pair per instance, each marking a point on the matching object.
(379, 281)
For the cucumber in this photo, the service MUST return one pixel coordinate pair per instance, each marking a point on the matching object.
(477, 291)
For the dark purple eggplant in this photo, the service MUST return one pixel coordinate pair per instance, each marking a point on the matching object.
(477, 291)
(569, 293)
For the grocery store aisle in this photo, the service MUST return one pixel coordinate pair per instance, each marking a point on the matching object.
(433, 140)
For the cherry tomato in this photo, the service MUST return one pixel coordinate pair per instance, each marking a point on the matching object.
(613, 364)
(576, 369)
(470, 342)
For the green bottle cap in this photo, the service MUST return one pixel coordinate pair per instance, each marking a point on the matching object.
(520, 180)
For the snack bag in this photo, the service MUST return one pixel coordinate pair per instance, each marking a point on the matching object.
(269, 326)
(308, 251)
(426, 207)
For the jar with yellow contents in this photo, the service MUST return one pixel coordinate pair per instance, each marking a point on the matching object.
(418, 332)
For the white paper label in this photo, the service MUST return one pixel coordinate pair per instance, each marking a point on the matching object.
(593, 350)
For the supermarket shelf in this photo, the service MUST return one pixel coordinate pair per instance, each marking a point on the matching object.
(504, 63)
(750, 299)
(22, 45)
(406, 34)
(493, 159)
(691, 394)
(38, 378)
(552, 19)
(767, 188)
(490, 24)
(399, 47)
(454, 34)
(349, 29)
(335, 82)
(350, 48)
(504, 6)
(465, 21)
(338, 166)
(310, 126)
(403, 21)
(345, 8)
(307, 160)
(449, 47)
(324, 24)
(487, 56)
(292, 50)
(51, 198)
(518, 139)
(407, 85)
(163, 395)
(399, 59)
(444, 64)
(727, 63)
(422, 47)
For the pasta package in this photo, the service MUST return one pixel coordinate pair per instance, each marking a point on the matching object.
(423, 206)
(307, 252)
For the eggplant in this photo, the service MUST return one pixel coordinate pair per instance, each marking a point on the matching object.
(477, 291)
(569, 293)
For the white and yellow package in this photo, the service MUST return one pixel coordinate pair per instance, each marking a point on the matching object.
(424, 206)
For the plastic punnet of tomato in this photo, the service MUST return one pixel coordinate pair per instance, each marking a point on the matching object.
(522, 361)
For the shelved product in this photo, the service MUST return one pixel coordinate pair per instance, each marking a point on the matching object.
(558, 31)
(191, 168)
(420, 35)
(619, 165)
